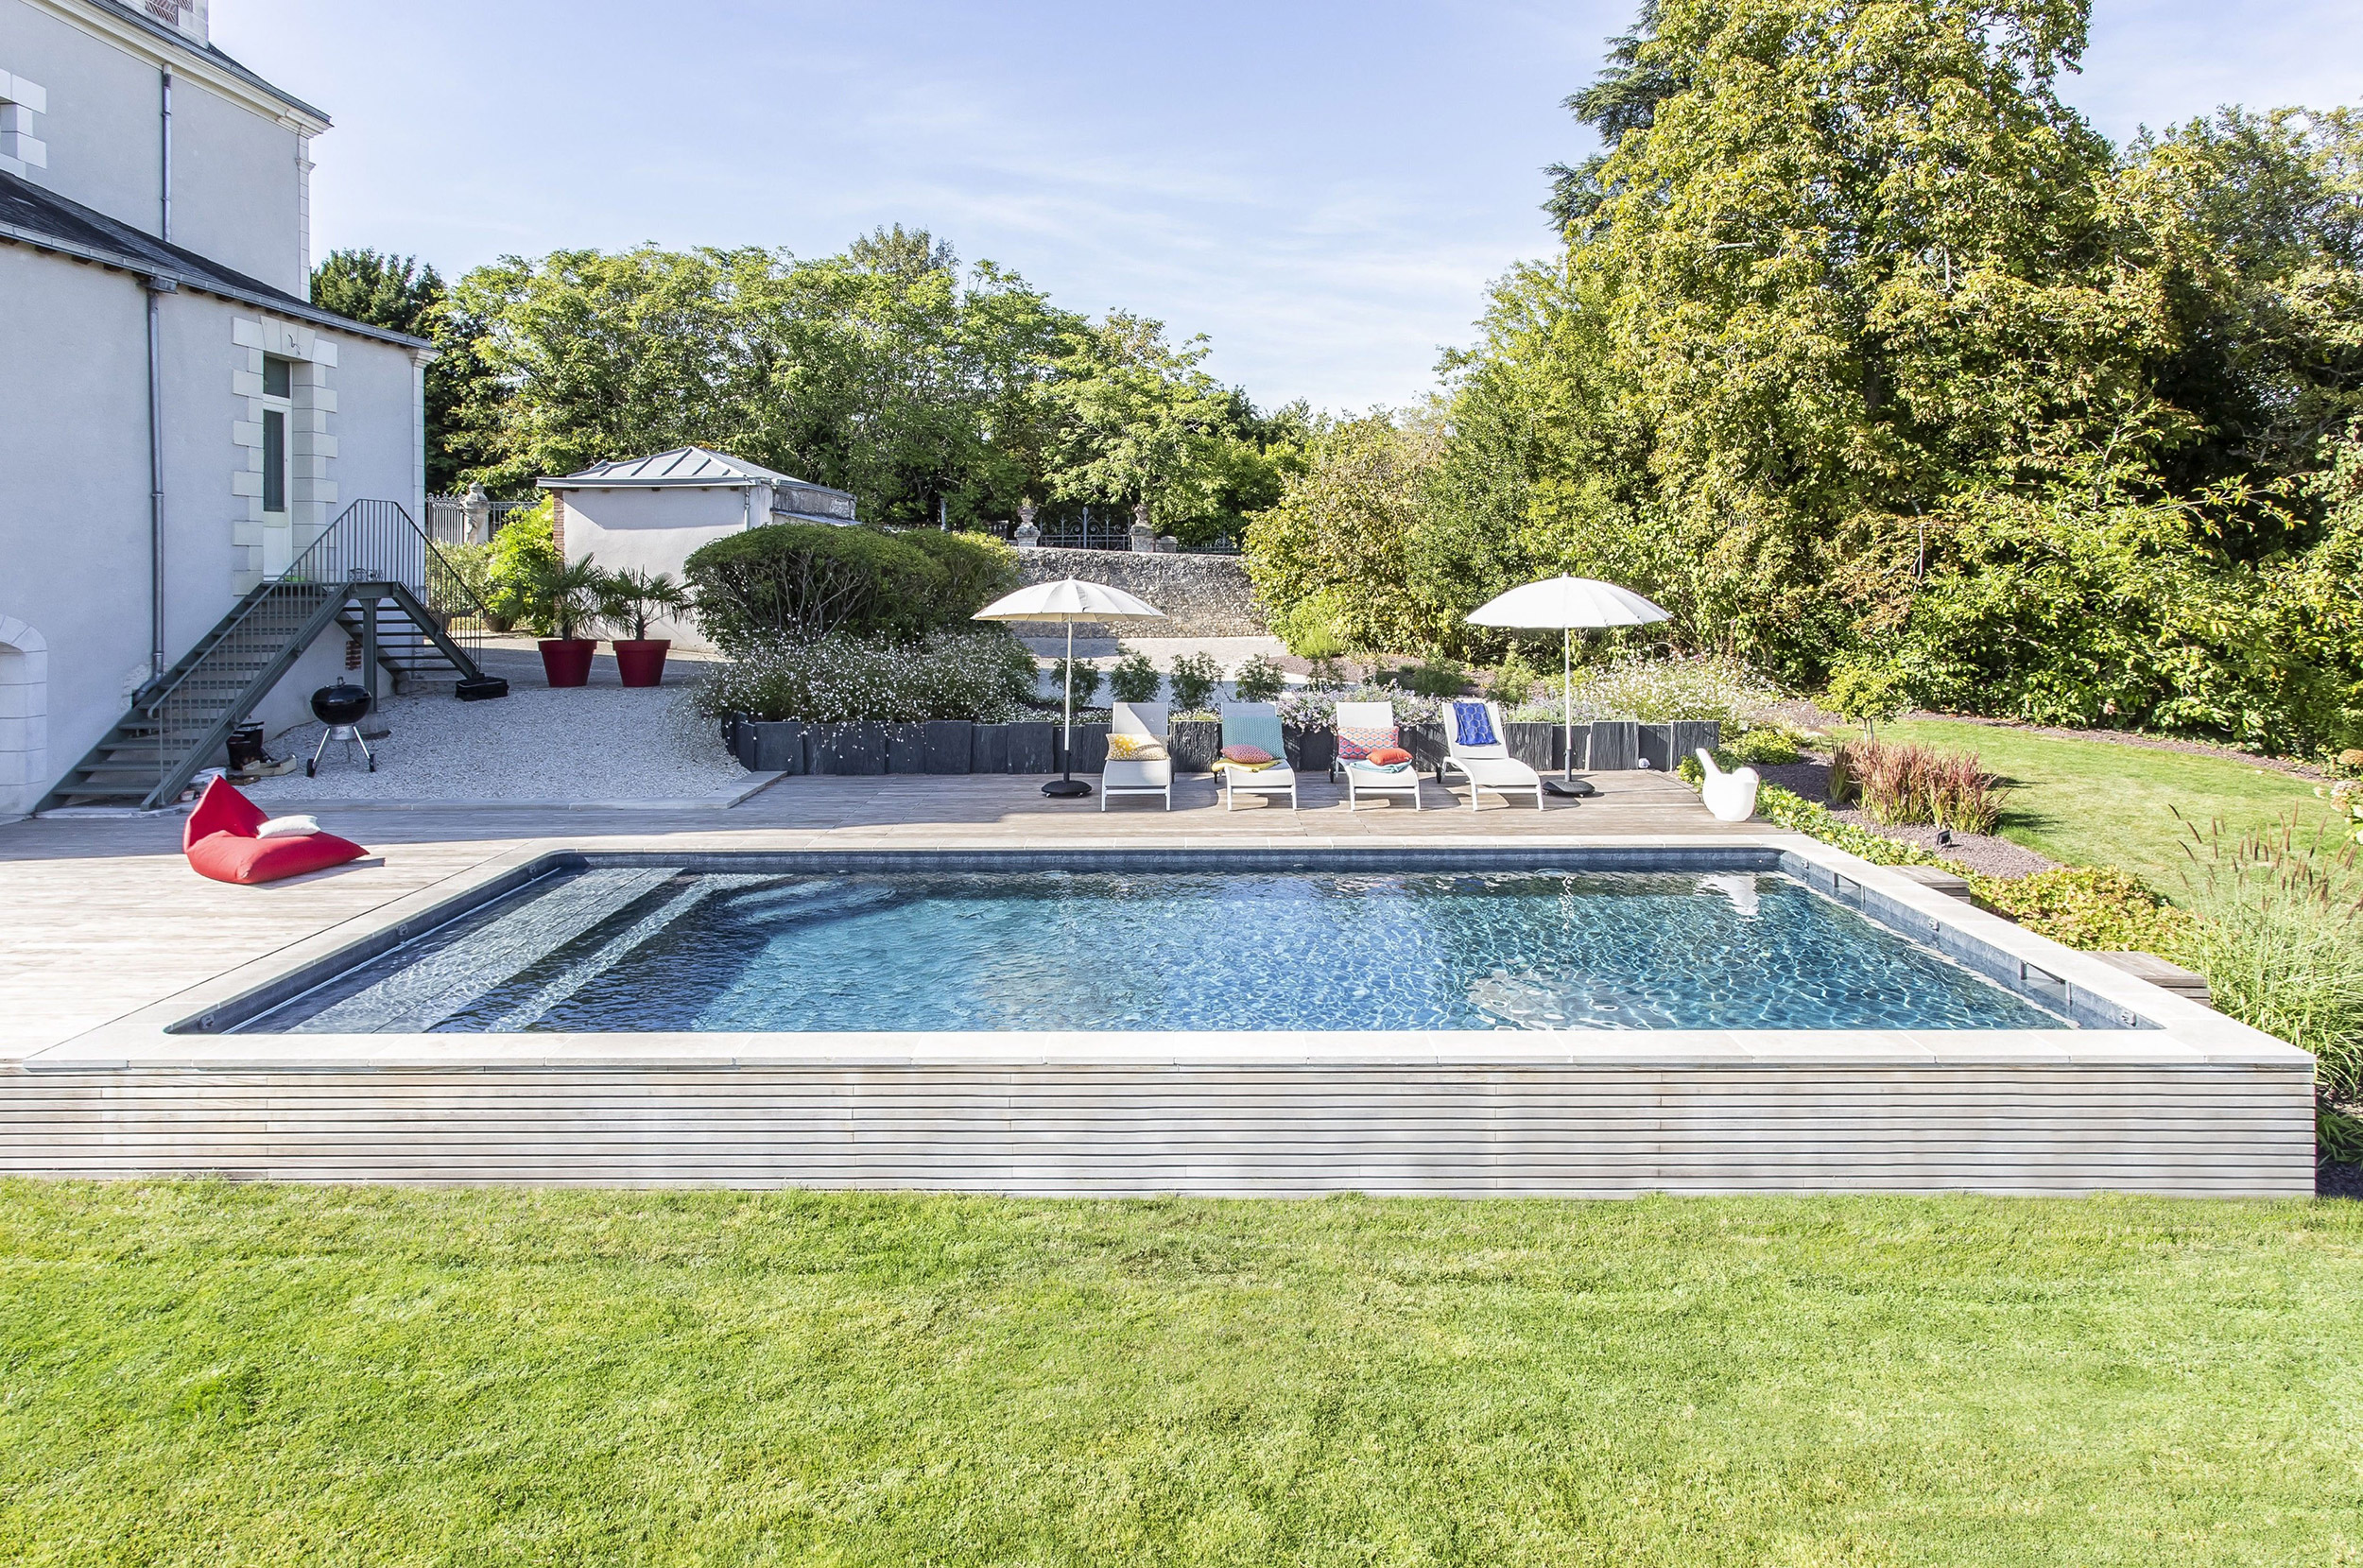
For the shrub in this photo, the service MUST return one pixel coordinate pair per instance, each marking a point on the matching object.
(977, 569)
(2278, 935)
(801, 583)
(1443, 678)
(1916, 784)
(1307, 707)
(1135, 679)
(2095, 908)
(518, 556)
(1083, 672)
(1659, 691)
(1866, 693)
(1515, 681)
(1259, 680)
(981, 673)
(1767, 746)
(1310, 629)
(473, 565)
(1194, 678)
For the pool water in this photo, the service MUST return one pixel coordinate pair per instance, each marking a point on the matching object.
(654, 948)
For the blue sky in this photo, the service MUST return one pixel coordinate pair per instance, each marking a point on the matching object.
(1322, 189)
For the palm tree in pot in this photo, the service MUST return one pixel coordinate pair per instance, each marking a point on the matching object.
(632, 598)
(566, 602)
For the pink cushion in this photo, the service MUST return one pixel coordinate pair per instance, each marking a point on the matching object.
(229, 856)
(1253, 756)
(222, 810)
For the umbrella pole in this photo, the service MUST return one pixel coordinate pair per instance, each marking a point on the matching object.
(1567, 703)
(1065, 786)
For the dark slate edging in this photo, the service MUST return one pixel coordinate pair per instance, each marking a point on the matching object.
(957, 746)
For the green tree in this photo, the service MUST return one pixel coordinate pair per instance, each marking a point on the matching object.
(399, 294)
(1137, 421)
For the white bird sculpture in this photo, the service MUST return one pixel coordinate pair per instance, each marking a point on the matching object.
(1729, 797)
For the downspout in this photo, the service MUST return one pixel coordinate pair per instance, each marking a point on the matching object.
(163, 230)
(157, 288)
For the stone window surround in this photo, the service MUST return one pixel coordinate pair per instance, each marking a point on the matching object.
(265, 546)
(20, 151)
(24, 715)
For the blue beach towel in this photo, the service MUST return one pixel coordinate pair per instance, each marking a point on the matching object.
(1472, 725)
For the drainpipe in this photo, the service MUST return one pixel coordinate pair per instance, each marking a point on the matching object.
(157, 288)
(164, 228)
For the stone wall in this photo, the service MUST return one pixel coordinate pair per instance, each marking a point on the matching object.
(1201, 596)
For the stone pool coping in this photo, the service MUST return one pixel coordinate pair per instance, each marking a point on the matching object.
(2230, 1109)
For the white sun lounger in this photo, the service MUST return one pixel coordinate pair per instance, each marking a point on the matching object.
(1362, 780)
(1255, 724)
(1485, 766)
(1143, 775)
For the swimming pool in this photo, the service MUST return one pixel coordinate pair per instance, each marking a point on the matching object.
(620, 946)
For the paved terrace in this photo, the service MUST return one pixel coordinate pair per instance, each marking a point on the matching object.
(104, 918)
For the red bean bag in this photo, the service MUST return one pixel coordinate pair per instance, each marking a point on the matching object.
(220, 843)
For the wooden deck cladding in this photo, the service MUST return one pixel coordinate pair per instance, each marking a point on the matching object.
(1471, 1128)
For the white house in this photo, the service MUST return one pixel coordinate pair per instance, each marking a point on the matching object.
(179, 424)
(652, 513)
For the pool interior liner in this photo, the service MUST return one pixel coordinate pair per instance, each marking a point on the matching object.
(1742, 939)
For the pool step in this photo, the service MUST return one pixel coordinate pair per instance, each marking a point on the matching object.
(2187, 984)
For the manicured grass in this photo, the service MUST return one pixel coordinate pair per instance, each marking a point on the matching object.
(200, 1374)
(2097, 804)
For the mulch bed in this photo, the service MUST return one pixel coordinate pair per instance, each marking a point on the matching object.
(1977, 851)
(2339, 1181)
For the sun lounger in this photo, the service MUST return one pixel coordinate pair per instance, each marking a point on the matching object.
(1474, 747)
(1363, 727)
(1255, 724)
(1144, 722)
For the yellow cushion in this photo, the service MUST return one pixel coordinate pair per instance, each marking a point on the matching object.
(1136, 749)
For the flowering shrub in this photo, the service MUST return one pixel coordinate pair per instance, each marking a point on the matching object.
(983, 675)
(1307, 708)
(1659, 691)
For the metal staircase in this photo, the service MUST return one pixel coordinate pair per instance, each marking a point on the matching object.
(373, 571)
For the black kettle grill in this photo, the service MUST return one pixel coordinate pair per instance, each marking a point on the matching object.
(341, 707)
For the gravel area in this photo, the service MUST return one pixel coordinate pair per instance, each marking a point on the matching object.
(591, 744)
(1979, 852)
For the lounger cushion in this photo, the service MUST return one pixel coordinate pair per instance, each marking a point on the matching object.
(1356, 741)
(1389, 756)
(228, 856)
(1472, 725)
(1136, 749)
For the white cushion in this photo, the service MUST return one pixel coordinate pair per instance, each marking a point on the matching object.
(288, 827)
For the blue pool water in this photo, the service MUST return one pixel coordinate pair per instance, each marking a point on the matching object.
(611, 949)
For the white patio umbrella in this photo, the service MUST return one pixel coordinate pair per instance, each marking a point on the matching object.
(1069, 600)
(1567, 604)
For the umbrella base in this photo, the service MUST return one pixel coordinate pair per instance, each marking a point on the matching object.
(1066, 789)
(1574, 788)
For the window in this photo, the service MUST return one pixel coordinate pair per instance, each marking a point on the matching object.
(277, 384)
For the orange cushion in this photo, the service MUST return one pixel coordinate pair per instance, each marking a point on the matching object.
(222, 810)
(228, 856)
(1387, 755)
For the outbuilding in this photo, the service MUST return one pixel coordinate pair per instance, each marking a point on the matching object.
(653, 513)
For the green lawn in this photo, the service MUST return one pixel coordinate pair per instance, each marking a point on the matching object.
(202, 1373)
(2093, 803)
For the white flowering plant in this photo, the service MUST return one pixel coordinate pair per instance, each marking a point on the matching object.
(986, 675)
(1660, 691)
(1305, 708)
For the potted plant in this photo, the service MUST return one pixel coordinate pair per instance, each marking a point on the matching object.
(630, 598)
(564, 598)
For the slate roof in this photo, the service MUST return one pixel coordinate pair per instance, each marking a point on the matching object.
(683, 465)
(203, 51)
(41, 217)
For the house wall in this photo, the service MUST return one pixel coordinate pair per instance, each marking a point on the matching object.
(238, 172)
(74, 481)
(658, 530)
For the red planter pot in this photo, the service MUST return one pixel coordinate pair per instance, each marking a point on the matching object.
(566, 661)
(640, 663)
